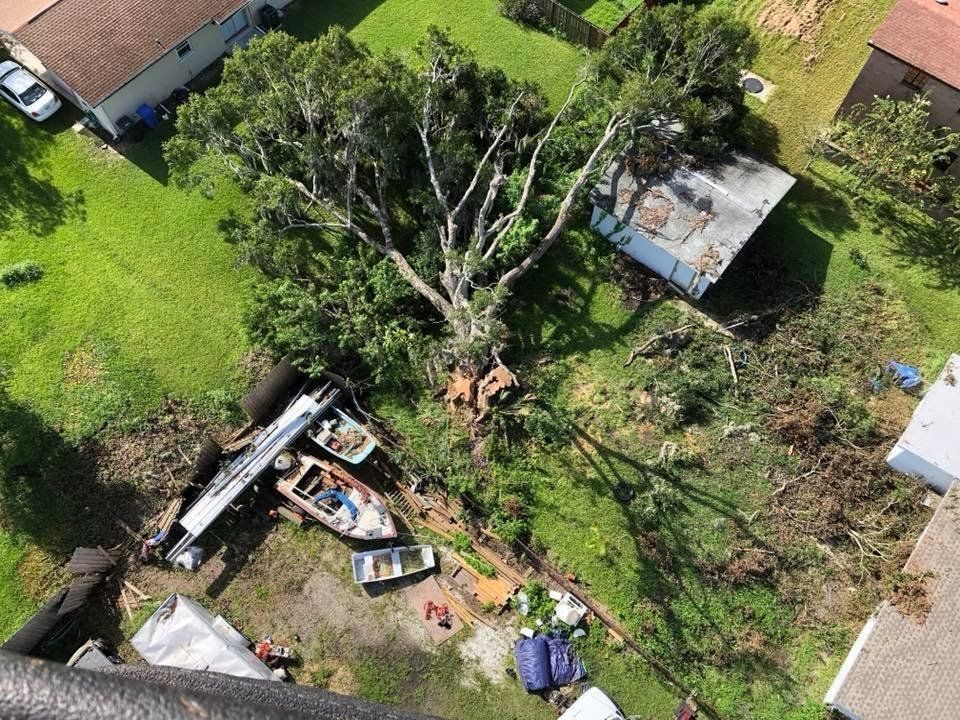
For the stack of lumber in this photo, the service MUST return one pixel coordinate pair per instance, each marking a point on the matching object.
(511, 574)
(462, 610)
(485, 589)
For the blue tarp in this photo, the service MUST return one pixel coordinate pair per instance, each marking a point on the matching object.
(565, 666)
(904, 376)
(533, 663)
(544, 662)
(339, 496)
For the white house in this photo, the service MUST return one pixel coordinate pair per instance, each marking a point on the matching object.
(109, 57)
(929, 448)
(687, 224)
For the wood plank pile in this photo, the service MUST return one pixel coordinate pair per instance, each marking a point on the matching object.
(439, 515)
(487, 590)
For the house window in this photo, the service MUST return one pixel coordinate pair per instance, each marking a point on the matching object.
(915, 78)
(184, 50)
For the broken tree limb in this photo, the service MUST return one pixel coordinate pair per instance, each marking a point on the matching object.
(733, 368)
(803, 476)
(640, 349)
(137, 591)
(126, 603)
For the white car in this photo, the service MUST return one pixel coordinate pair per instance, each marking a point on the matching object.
(593, 705)
(26, 93)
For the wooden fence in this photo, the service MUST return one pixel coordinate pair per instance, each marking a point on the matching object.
(574, 28)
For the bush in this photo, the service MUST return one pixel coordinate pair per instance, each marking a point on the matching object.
(522, 11)
(21, 273)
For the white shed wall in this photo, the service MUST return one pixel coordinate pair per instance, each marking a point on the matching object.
(909, 463)
(637, 246)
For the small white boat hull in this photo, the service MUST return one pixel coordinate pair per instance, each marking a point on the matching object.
(391, 563)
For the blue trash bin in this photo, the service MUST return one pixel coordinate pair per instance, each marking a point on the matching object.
(148, 115)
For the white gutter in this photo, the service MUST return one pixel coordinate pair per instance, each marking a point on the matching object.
(848, 664)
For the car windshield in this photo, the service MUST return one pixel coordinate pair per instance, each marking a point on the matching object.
(32, 94)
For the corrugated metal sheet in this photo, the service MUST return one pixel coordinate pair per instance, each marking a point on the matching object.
(237, 477)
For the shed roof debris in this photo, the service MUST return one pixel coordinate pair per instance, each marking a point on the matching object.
(701, 215)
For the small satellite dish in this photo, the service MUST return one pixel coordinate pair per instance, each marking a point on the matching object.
(752, 85)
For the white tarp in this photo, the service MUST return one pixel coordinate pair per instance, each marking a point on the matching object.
(183, 634)
(929, 448)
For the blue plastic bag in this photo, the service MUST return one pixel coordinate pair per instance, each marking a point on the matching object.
(565, 665)
(905, 376)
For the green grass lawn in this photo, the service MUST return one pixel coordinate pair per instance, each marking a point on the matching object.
(821, 224)
(16, 605)
(525, 53)
(139, 299)
(812, 78)
(603, 13)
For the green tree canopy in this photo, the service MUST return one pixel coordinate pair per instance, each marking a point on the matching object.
(895, 145)
(436, 172)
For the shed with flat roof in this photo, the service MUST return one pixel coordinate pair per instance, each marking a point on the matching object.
(687, 224)
(929, 448)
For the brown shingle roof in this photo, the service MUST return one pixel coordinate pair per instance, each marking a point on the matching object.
(925, 34)
(14, 13)
(97, 46)
(906, 669)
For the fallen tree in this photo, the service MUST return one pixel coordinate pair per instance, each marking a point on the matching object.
(445, 169)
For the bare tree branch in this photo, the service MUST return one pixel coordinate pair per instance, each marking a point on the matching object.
(616, 124)
(505, 223)
(385, 248)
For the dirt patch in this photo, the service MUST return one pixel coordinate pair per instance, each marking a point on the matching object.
(911, 594)
(342, 681)
(487, 650)
(83, 366)
(637, 285)
(154, 460)
(800, 19)
(293, 585)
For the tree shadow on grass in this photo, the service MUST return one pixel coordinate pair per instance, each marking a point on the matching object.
(29, 199)
(784, 267)
(552, 313)
(920, 240)
(914, 237)
(693, 632)
(308, 19)
(49, 492)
